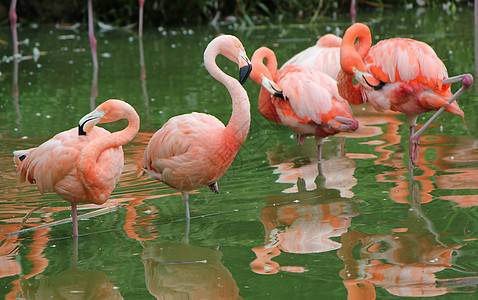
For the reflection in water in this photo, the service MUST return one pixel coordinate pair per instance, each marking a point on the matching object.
(70, 284)
(403, 263)
(300, 228)
(298, 166)
(177, 270)
(454, 155)
(295, 222)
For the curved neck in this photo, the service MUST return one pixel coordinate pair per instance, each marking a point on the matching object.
(269, 70)
(238, 125)
(351, 53)
(347, 90)
(90, 172)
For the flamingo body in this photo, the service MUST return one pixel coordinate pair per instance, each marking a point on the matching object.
(52, 166)
(313, 102)
(195, 150)
(82, 165)
(171, 155)
(414, 74)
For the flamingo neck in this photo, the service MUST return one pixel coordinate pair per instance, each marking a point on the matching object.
(347, 90)
(239, 124)
(269, 69)
(93, 175)
(351, 53)
(265, 105)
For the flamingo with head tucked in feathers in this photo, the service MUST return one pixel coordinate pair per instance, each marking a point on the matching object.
(397, 74)
(302, 98)
(81, 165)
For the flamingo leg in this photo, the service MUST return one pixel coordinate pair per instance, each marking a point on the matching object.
(186, 233)
(467, 82)
(319, 141)
(91, 33)
(13, 23)
(74, 219)
(352, 11)
(140, 29)
(186, 203)
(300, 139)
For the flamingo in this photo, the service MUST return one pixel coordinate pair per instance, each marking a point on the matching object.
(324, 56)
(81, 165)
(195, 150)
(397, 74)
(304, 99)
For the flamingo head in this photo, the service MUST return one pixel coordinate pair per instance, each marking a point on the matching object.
(232, 48)
(352, 55)
(258, 66)
(272, 87)
(109, 111)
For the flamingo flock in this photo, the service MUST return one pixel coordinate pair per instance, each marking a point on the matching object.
(311, 94)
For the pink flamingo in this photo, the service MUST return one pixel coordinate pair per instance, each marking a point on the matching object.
(397, 74)
(195, 150)
(305, 100)
(81, 165)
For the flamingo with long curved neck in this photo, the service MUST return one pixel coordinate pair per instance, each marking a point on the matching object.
(82, 165)
(195, 150)
(304, 99)
(397, 74)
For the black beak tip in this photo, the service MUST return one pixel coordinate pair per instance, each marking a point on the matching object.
(80, 130)
(279, 94)
(244, 73)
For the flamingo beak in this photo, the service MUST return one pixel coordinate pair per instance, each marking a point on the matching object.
(367, 80)
(89, 121)
(272, 87)
(245, 68)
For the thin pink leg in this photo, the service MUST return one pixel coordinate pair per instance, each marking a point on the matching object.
(74, 219)
(13, 24)
(140, 30)
(467, 82)
(91, 32)
(352, 11)
(319, 141)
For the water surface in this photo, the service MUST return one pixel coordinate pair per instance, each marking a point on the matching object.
(281, 228)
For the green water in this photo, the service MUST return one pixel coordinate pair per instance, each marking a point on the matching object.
(355, 224)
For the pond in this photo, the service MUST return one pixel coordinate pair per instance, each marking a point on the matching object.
(280, 228)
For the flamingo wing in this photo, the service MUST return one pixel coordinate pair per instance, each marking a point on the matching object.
(405, 60)
(53, 160)
(321, 58)
(411, 68)
(179, 143)
(312, 95)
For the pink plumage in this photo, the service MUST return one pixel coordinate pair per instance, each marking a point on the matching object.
(397, 74)
(195, 150)
(82, 165)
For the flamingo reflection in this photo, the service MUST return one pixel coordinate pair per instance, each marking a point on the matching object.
(300, 228)
(69, 284)
(178, 270)
(298, 166)
(404, 263)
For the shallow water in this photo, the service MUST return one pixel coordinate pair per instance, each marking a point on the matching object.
(279, 229)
